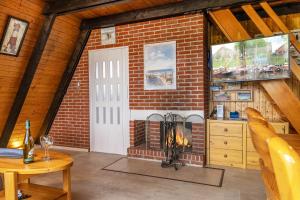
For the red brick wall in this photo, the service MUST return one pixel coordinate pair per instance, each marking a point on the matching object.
(71, 126)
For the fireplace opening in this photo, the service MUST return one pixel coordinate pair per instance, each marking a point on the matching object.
(171, 138)
(183, 136)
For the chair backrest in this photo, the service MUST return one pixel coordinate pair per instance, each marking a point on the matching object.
(260, 134)
(286, 162)
(255, 115)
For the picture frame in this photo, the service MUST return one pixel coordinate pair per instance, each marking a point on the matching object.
(232, 95)
(222, 96)
(108, 35)
(160, 66)
(244, 95)
(13, 36)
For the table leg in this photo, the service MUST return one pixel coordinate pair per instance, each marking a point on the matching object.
(10, 186)
(67, 183)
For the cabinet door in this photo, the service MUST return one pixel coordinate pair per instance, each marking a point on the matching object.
(250, 146)
(252, 160)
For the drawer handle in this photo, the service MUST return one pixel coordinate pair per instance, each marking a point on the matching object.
(225, 129)
(225, 156)
(225, 142)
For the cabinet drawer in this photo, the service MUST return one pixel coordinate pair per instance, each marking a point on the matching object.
(226, 129)
(250, 146)
(222, 142)
(252, 159)
(226, 156)
(280, 128)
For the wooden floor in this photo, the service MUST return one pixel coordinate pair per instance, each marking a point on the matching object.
(92, 183)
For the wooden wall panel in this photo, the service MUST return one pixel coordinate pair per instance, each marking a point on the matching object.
(58, 50)
(12, 68)
(261, 100)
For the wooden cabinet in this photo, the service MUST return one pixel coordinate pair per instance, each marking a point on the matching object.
(226, 143)
(252, 156)
(229, 143)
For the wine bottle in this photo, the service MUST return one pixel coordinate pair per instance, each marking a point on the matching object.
(28, 151)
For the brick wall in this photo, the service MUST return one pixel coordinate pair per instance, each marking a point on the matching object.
(71, 126)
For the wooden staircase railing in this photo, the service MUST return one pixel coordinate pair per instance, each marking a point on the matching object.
(278, 90)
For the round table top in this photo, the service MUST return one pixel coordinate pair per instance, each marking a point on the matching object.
(58, 162)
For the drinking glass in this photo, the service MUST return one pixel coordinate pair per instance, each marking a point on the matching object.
(46, 142)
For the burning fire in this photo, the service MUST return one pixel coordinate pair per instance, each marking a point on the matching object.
(180, 139)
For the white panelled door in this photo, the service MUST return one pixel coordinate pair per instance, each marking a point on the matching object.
(109, 106)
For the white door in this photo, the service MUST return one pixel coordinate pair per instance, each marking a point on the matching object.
(109, 106)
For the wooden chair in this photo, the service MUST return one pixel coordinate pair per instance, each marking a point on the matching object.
(292, 139)
(286, 162)
(261, 133)
(253, 114)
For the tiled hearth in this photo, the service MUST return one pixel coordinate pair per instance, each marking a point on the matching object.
(152, 150)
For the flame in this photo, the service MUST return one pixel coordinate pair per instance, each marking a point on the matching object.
(180, 139)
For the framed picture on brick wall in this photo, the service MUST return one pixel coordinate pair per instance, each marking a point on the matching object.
(108, 35)
(160, 66)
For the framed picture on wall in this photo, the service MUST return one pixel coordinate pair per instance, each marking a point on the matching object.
(108, 35)
(13, 36)
(222, 96)
(160, 66)
(244, 95)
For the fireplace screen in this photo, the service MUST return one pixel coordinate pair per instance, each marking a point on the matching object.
(172, 134)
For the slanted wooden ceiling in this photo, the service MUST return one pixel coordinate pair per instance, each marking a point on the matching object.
(123, 6)
(56, 55)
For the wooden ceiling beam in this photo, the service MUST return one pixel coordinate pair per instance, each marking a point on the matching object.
(257, 20)
(27, 79)
(167, 10)
(276, 19)
(61, 7)
(65, 82)
(283, 9)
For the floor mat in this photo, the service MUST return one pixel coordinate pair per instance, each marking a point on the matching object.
(190, 174)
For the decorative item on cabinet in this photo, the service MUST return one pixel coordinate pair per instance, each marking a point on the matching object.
(220, 111)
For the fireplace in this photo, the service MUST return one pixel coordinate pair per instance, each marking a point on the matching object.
(149, 138)
(183, 136)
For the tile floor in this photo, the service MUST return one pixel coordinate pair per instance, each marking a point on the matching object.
(89, 182)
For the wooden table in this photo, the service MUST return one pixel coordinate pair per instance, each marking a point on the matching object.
(15, 171)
